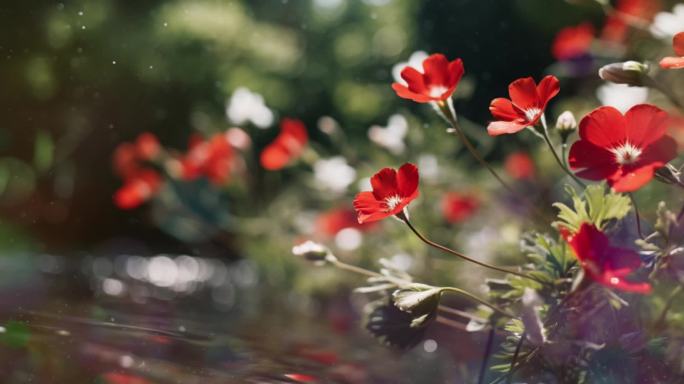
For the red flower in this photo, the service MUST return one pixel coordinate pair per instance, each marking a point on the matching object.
(392, 191)
(458, 207)
(129, 158)
(571, 42)
(525, 107)
(333, 221)
(123, 378)
(616, 28)
(137, 189)
(604, 263)
(624, 150)
(436, 82)
(675, 62)
(286, 147)
(520, 166)
(212, 158)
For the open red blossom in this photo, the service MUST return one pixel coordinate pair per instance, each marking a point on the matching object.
(604, 263)
(572, 42)
(392, 191)
(287, 146)
(138, 189)
(623, 150)
(458, 207)
(675, 62)
(212, 158)
(436, 82)
(520, 166)
(525, 107)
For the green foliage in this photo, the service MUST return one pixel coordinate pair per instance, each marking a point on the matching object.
(595, 206)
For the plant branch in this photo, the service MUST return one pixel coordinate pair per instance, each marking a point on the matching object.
(560, 162)
(485, 358)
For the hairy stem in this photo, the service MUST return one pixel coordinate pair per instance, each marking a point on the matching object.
(560, 162)
(485, 358)
(480, 301)
(637, 215)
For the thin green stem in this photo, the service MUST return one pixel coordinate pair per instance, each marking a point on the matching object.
(560, 162)
(514, 360)
(478, 300)
(462, 256)
(637, 215)
(564, 154)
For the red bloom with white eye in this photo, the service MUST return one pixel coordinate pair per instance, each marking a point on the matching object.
(392, 191)
(675, 62)
(623, 150)
(604, 263)
(525, 107)
(437, 81)
(286, 147)
(138, 189)
(572, 42)
(520, 166)
(458, 207)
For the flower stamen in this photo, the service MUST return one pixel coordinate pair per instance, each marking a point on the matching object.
(392, 202)
(626, 153)
(532, 113)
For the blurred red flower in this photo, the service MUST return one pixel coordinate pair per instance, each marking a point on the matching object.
(129, 158)
(615, 28)
(525, 107)
(333, 221)
(675, 62)
(520, 166)
(287, 146)
(123, 378)
(212, 158)
(392, 191)
(138, 189)
(458, 207)
(571, 42)
(604, 263)
(437, 81)
(623, 150)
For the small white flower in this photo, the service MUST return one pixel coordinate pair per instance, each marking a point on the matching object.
(392, 136)
(621, 96)
(667, 24)
(334, 173)
(415, 61)
(247, 106)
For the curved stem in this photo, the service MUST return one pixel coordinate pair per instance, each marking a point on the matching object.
(555, 154)
(636, 215)
(485, 358)
(459, 254)
(478, 300)
(514, 360)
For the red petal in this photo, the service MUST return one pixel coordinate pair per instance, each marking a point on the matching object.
(659, 153)
(672, 62)
(368, 208)
(645, 124)
(604, 127)
(384, 183)
(414, 80)
(456, 71)
(436, 72)
(405, 93)
(678, 43)
(523, 93)
(295, 130)
(497, 128)
(502, 109)
(629, 180)
(547, 89)
(274, 157)
(624, 285)
(407, 180)
(589, 243)
(597, 163)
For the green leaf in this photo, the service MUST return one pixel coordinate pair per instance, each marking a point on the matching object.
(596, 207)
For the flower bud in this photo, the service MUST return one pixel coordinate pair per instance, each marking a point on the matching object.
(632, 73)
(566, 122)
(314, 252)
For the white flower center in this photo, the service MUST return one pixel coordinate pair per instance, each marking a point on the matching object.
(392, 202)
(627, 153)
(532, 113)
(437, 90)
